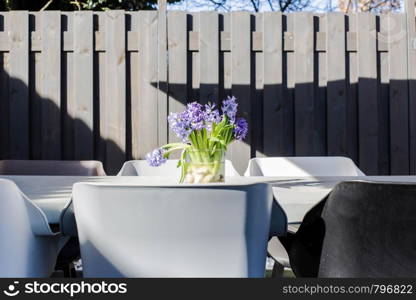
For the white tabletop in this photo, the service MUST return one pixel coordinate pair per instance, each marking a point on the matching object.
(296, 195)
(52, 194)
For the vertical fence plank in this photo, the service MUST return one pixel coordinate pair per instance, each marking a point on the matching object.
(305, 141)
(336, 86)
(240, 152)
(226, 58)
(83, 84)
(18, 84)
(68, 104)
(177, 48)
(320, 88)
(367, 93)
(100, 71)
(133, 88)
(144, 132)
(51, 85)
(288, 69)
(162, 73)
(411, 75)
(208, 56)
(276, 115)
(115, 44)
(399, 125)
(383, 98)
(4, 106)
(193, 66)
(257, 66)
(4, 95)
(352, 92)
(36, 90)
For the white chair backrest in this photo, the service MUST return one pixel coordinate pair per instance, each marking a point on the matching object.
(303, 166)
(52, 167)
(22, 252)
(170, 169)
(179, 231)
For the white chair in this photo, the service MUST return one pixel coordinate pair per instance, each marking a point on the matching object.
(52, 167)
(142, 168)
(177, 231)
(28, 247)
(57, 168)
(302, 166)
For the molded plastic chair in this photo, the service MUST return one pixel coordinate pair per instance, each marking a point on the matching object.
(57, 168)
(179, 231)
(28, 248)
(362, 229)
(298, 166)
(52, 167)
(303, 166)
(142, 168)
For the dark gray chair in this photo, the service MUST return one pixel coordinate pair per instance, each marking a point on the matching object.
(362, 229)
(297, 167)
(52, 167)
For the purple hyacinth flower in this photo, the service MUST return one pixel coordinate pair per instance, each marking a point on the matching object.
(196, 115)
(212, 115)
(156, 158)
(180, 125)
(241, 129)
(229, 108)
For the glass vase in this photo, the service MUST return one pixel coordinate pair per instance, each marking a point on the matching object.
(204, 166)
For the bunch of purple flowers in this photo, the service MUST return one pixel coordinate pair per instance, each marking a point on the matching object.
(202, 128)
(199, 117)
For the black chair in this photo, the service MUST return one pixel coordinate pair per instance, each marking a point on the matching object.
(362, 229)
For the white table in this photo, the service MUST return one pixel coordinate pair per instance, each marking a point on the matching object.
(298, 195)
(52, 194)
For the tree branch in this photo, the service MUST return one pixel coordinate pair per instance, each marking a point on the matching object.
(256, 8)
(46, 5)
(219, 4)
(287, 3)
(271, 5)
(76, 3)
(348, 6)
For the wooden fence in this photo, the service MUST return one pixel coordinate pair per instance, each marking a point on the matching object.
(99, 85)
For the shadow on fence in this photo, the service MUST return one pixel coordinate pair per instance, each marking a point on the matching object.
(33, 133)
(370, 122)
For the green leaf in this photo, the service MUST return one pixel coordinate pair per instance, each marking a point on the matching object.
(217, 140)
(182, 162)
